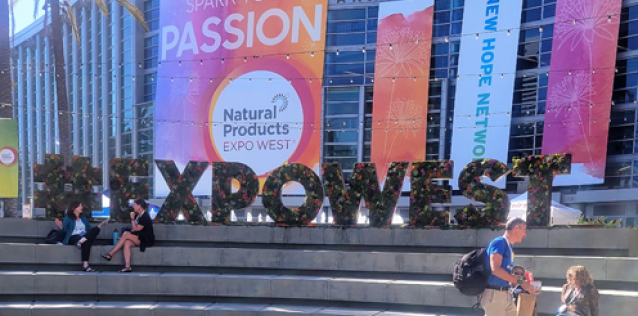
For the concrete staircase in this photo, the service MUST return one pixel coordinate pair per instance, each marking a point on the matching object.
(241, 270)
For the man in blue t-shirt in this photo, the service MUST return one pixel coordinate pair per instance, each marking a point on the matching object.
(497, 300)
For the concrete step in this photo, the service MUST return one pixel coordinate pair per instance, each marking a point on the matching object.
(30, 286)
(547, 241)
(377, 263)
(189, 309)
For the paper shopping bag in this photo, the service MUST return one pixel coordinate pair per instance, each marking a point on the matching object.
(526, 303)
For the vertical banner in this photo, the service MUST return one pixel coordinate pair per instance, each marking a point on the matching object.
(484, 89)
(8, 158)
(581, 76)
(402, 70)
(240, 81)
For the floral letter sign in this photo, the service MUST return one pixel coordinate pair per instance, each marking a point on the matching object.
(80, 175)
(382, 204)
(181, 186)
(364, 184)
(541, 170)
(271, 195)
(224, 200)
(497, 204)
(423, 192)
(122, 190)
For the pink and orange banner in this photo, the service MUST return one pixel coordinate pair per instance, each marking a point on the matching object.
(402, 69)
(240, 81)
(581, 79)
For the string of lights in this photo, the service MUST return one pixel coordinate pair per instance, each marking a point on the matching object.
(401, 123)
(312, 53)
(331, 79)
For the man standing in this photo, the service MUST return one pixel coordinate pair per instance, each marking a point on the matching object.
(497, 299)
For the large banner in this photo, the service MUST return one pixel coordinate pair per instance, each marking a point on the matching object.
(240, 81)
(402, 70)
(484, 90)
(580, 86)
(8, 158)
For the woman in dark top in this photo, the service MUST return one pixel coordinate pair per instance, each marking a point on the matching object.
(141, 235)
(79, 232)
(579, 296)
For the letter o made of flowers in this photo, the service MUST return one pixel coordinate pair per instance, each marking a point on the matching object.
(273, 189)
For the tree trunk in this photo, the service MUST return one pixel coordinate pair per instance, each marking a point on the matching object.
(6, 87)
(60, 82)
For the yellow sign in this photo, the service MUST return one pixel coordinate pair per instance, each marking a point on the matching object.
(8, 158)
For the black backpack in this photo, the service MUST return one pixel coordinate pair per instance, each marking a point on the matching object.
(471, 273)
(55, 236)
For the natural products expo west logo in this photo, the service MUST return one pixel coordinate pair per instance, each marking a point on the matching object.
(264, 127)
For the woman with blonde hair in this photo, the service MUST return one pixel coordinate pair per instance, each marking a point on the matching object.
(579, 296)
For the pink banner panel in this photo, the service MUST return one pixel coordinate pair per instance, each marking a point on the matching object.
(401, 85)
(580, 85)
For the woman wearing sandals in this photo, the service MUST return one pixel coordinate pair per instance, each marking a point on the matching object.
(79, 232)
(141, 235)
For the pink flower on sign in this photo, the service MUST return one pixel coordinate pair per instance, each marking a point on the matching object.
(581, 21)
(402, 53)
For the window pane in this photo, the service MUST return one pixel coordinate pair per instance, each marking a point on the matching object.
(531, 15)
(620, 148)
(341, 137)
(342, 94)
(549, 11)
(342, 123)
(618, 168)
(344, 57)
(343, 69)
(340, 150)
(355, 14)
(347, 27)
(348, 39)
(346, 163)
(342, 108)
(441, 5)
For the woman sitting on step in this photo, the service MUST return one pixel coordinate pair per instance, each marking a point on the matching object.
(141, 235)
(79, 232)
(579, 295)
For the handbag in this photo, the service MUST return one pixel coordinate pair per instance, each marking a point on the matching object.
(55, 236)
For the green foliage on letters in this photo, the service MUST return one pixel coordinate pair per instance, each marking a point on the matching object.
(423, 192)
(180, 197)
(540, 171)
(496, 201)
(224, 201)
(122, 190)
(272, 191)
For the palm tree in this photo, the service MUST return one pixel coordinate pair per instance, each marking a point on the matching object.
(58, 56)
(6, 86)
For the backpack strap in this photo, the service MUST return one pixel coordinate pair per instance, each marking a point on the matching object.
(477, 306)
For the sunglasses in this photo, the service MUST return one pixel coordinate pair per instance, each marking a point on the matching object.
(518, 274)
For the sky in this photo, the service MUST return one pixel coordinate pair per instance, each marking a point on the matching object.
(23, 11)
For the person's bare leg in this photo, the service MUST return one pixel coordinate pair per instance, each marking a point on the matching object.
(127, 253)
(120, 244)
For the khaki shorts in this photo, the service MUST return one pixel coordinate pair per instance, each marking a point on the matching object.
(498, 303)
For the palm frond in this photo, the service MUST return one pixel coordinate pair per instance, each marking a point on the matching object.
(73, 22)
(103, 7)
(135, 13)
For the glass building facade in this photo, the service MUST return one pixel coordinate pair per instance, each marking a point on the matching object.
(111, 86)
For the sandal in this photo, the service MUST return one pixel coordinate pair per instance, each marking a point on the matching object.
(126, 270)
(88, 269)
(79, 244)
(107, 256)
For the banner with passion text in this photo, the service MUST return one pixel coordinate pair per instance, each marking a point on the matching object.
(484, 89)
(239, 81)
(581, 76)
(402, 71)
